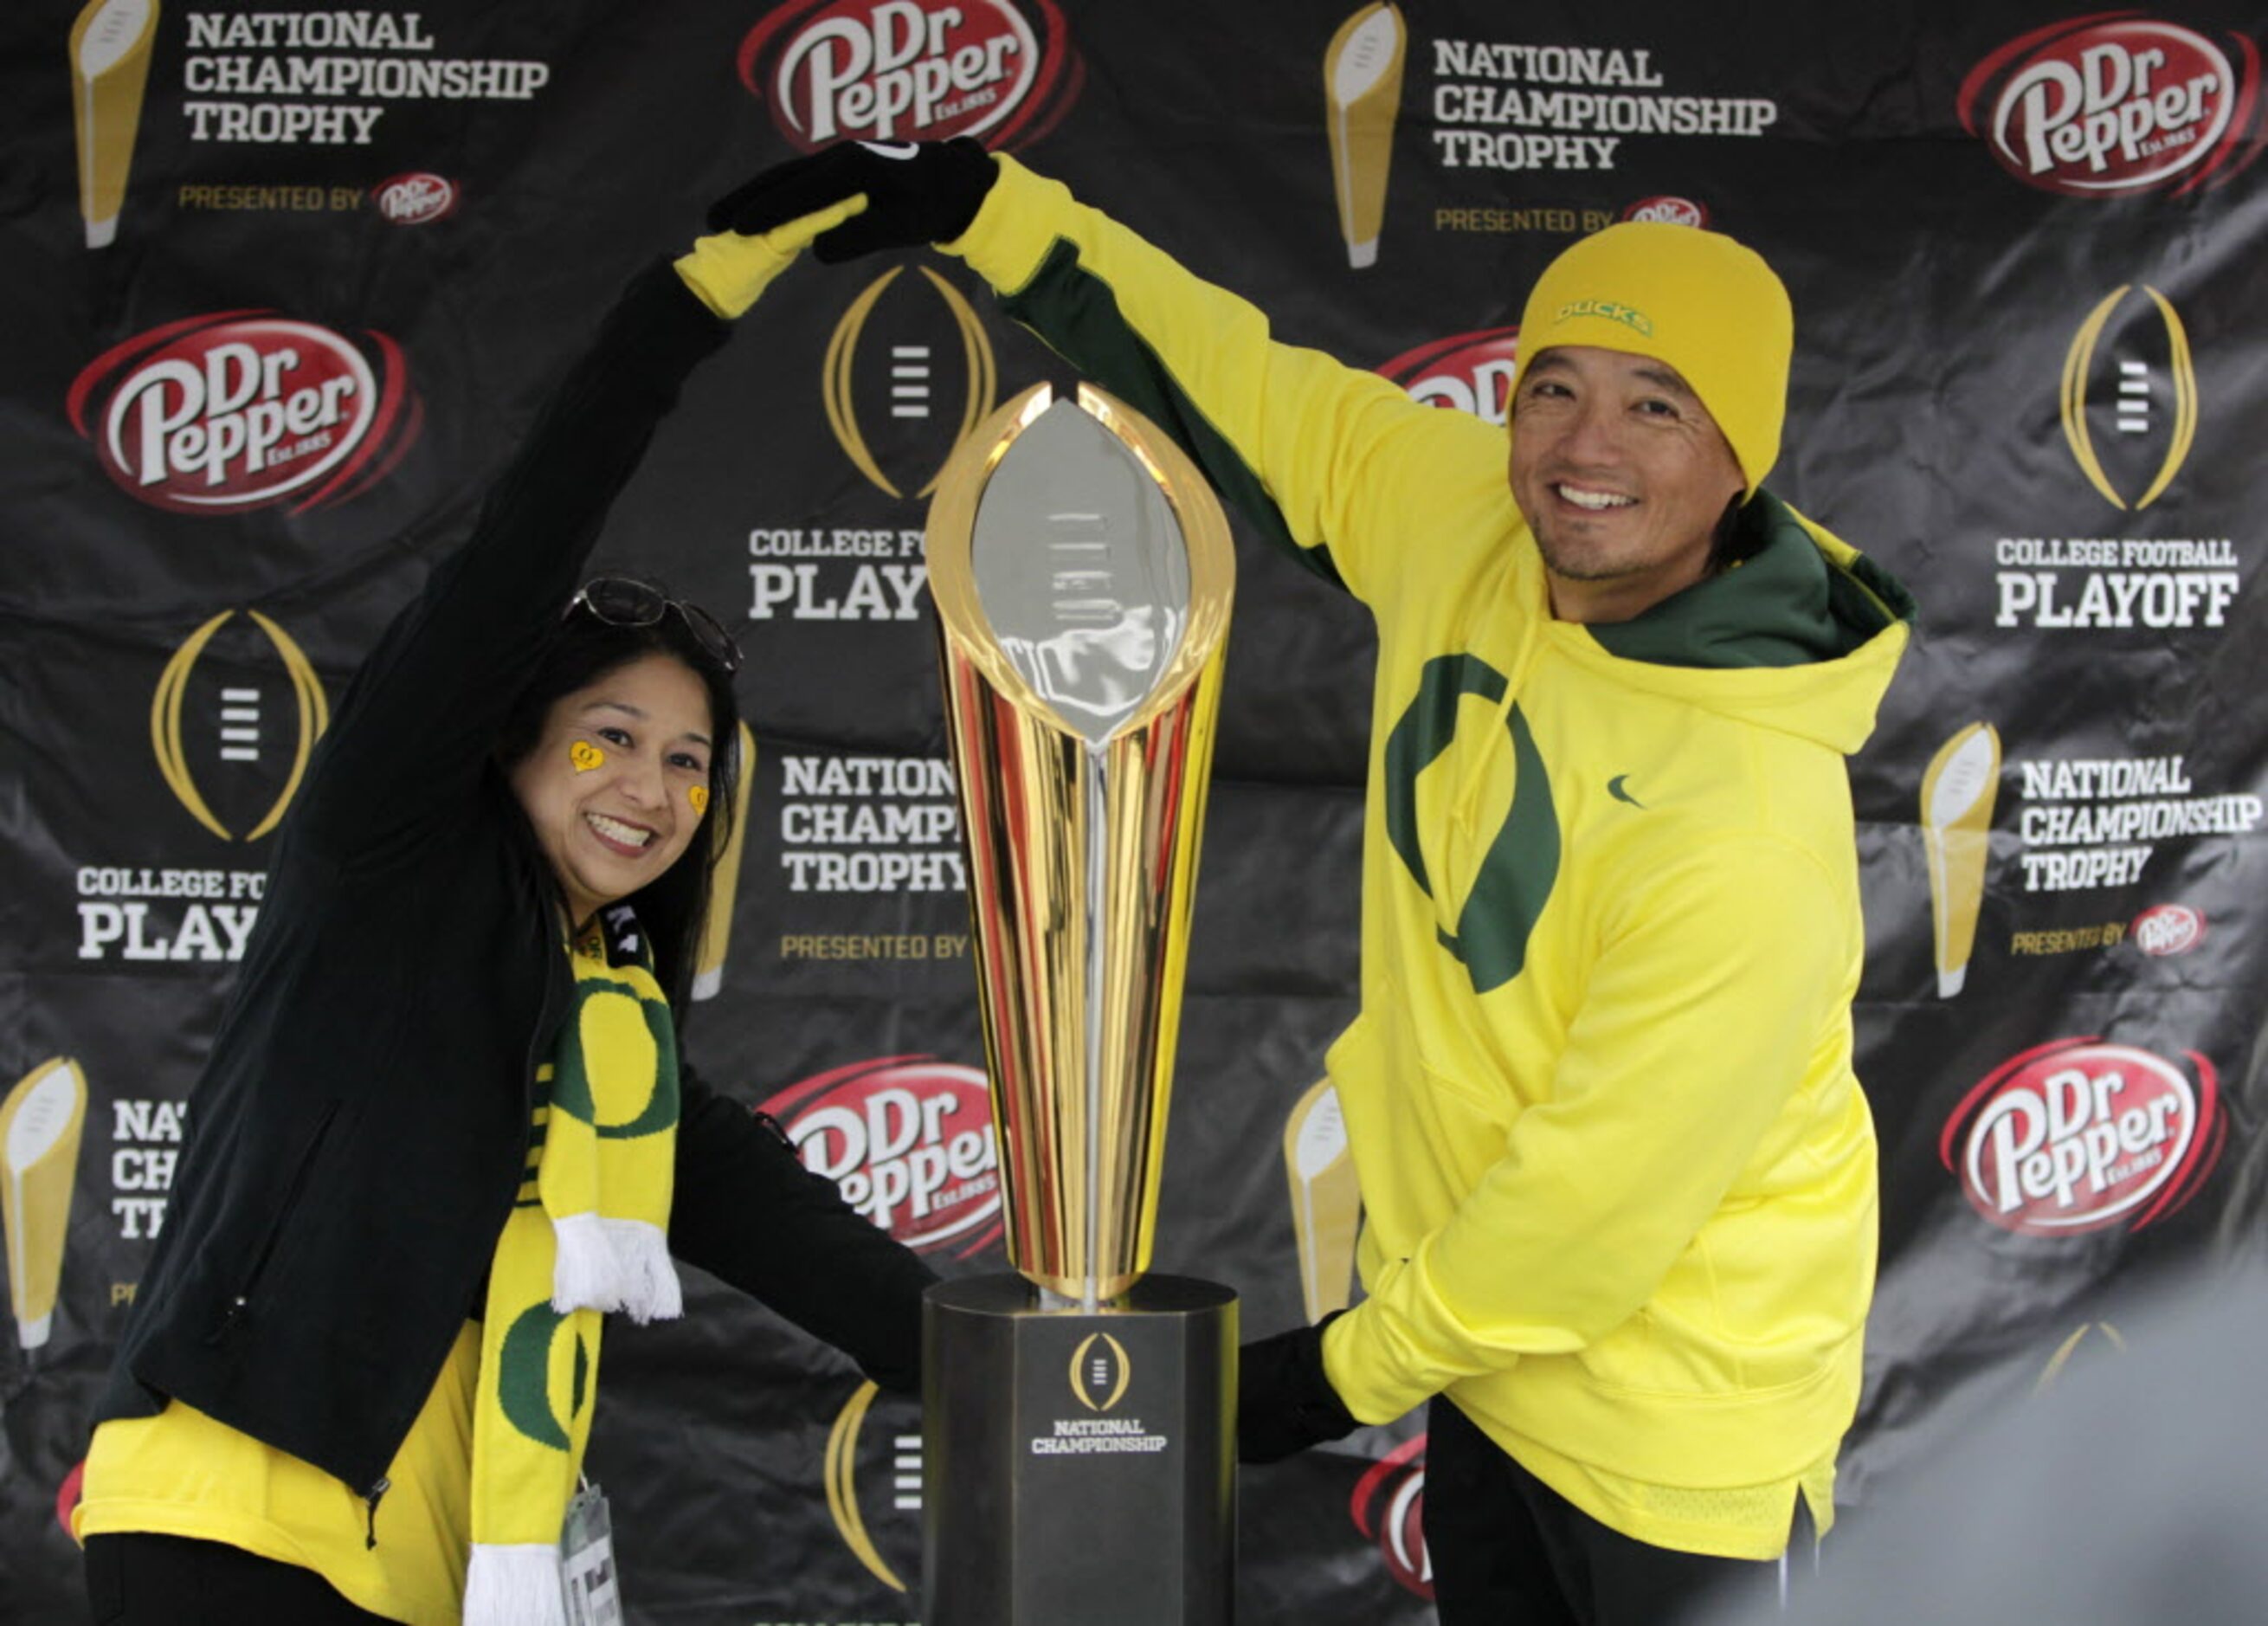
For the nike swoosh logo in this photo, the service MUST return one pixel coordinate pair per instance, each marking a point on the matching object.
(1614, 789)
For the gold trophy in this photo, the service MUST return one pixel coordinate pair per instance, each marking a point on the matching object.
(1079, 1445)
(1326, 1203)
(40, 1126)
(1362, 93)
(1083, 631)
(110, 66)
(725, 880)
(1957, 792)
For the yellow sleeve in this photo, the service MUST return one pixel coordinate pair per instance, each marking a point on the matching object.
(1720, 983)
(1334, 463)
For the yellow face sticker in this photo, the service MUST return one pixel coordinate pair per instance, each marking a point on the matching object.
(698, 795)
(585, 756)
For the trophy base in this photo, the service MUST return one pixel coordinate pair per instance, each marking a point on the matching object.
(1075, 1467)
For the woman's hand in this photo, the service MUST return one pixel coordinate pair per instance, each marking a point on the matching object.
(730, 269)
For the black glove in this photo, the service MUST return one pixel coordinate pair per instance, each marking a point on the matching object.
(917, 192)
(1284, 1401)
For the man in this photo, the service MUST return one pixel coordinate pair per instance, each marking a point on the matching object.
(1619, 1177)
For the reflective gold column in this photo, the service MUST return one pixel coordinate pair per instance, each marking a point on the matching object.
(1083, 576)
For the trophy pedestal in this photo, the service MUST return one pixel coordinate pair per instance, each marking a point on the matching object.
(1078, 1467)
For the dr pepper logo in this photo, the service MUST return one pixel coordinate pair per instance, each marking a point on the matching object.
(416, 199)
(908, 1140)
(2163, 930)
(1388, 1505)
(1003, 71)
(2116, 102)
(243, 408)
(1668, 211)
(2079, 1136)
(1471, 372)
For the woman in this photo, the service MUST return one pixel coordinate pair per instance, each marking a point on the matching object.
(443, 1128)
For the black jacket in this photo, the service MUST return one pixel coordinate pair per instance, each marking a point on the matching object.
(358, 1133)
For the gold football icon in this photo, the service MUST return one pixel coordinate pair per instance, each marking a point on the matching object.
(2135, 411)
(1099, 1371)
(890, 373)
(239, 723)
(840, 1469)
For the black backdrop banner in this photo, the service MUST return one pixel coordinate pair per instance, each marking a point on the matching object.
(286, 286)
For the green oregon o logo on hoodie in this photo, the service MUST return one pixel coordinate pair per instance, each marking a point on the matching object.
(1522, 862)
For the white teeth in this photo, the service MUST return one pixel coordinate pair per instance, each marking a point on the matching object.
(1594, 500)
(614, 830)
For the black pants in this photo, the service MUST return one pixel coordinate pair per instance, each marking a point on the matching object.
(169, 1580)
(1508, 1550)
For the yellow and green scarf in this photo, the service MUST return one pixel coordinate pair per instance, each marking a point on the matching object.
(588, 1234)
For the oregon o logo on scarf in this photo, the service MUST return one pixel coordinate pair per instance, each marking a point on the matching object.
(525, 1386)
(612, 1019)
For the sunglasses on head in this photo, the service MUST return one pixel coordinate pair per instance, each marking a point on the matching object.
(623, 601)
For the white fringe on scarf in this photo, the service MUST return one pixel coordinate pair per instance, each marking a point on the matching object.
(614, 1265)
(650, 1291)
(585, 1275)
(514, 1586)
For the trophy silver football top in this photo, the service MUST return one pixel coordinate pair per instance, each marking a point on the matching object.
(1081, 568)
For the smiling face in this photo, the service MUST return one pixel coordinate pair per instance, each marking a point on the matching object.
(1621, 474)
(617, 783)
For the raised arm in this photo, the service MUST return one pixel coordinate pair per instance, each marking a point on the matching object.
(409, 740)
(1331, 462)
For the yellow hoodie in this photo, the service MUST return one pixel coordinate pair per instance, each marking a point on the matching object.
(1619, 1177)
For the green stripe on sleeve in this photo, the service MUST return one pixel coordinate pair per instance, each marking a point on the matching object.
(1076, 313)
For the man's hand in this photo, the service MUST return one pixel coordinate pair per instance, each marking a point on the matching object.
(1284, 1401)
(915, 192)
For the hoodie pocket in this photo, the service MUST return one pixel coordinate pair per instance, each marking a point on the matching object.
(272, 1234)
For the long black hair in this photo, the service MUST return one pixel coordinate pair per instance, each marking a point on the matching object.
(674, 908)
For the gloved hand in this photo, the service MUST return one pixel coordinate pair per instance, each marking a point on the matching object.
(1284, 1401)
(731, 268)
(915, 192)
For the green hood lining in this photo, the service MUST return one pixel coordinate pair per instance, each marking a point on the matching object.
(1784, 604)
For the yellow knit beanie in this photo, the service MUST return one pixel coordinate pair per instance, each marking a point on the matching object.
(1707, 305)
